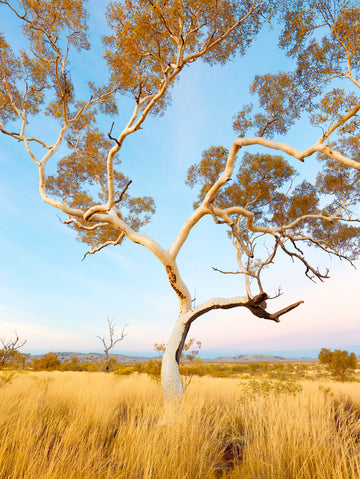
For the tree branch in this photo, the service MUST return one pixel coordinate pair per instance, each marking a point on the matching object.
(318, 147)
(123, 192)
(84, 227)
(253, 304)
(315, 272)
(112, 138)
(103, 245)
(229, 272)
(256, 308)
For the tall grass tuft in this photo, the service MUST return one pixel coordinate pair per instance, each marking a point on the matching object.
(93, 426)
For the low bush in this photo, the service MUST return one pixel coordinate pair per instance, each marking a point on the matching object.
(267, 387)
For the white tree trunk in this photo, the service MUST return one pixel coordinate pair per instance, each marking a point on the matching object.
(170, 375)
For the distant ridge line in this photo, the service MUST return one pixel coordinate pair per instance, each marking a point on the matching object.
(255, 358)
(121, 358)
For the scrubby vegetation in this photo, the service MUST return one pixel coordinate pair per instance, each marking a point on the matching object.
(339, 363)
(342, 366)
(76, 425)
(284, 420)
(281, 371)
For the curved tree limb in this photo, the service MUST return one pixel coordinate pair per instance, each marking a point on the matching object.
(318, 147)
(255, 305)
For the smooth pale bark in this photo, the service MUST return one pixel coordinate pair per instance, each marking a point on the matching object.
(170, 374)
(317, 147)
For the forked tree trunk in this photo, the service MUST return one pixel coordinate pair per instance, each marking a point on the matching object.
(170, 374)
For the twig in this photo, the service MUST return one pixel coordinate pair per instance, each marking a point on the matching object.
(111, 137)
(123, 192)
(102, 246)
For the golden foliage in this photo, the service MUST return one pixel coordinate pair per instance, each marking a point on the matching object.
(167, 35)
(148, 44)
(322, 57)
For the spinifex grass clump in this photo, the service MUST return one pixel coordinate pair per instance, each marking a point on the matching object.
(298, 437)
(78, 425)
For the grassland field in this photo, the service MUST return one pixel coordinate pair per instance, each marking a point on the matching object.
(254, 424)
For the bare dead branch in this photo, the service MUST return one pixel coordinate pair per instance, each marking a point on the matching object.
(12, 344)
(255, 305)
(225, 219)
(112, 138)
(275, 316)
(9, 347)
(226, 272)
(246, 250)
(123, 192)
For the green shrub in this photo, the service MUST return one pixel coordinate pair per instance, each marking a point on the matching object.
(124, 370)
(267, 387)
(139, 368)
(338, 363)
(153, 368)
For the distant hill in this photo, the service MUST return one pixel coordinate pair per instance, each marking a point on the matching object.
(252, 358)
(121, 358)
(96, 357)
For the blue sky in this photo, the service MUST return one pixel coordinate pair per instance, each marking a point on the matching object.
(59, 303)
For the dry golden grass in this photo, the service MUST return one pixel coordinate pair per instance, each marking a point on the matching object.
(83, 425)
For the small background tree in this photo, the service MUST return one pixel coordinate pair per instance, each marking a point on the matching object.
(11, 357)
(10, 350)
(18, 360)
(109, 363)
(338, 362)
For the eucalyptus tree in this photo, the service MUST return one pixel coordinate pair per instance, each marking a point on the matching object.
(149, 44)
